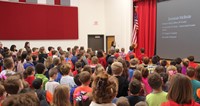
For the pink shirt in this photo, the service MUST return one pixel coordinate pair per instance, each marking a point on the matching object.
(147, 86)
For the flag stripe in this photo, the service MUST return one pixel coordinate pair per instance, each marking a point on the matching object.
(135, 29)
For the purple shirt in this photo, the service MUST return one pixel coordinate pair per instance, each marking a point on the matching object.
(184, 70)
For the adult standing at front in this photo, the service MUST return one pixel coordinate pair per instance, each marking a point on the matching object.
(113, 45)
(27, 45)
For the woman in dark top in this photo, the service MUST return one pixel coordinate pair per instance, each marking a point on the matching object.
(42, 55)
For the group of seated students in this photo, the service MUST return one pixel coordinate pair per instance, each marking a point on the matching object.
(75, 77)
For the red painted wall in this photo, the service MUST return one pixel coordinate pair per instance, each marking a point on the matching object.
(20, 21)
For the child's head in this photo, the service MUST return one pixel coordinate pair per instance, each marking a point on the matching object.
(131, 48)
(178, 92)
(145, 60)
(40, 68)
(141, 103)
(56, 61)
(85, 77)
(29, 71)
(159, 69)
(125, 68)
(88, 56)
(87, 68)
(122, 50)
(94, 60)
(145, 72)
(163, 63)
(112, 51)
(122, 101)
(185, 62)
(190, 72)
(78, 66)
(155, 81)
(134, 62)
(25, 99)
(178, 60)
(62, 59)
(50, 48)
(155, 59)
(164, 77)
(35, 49)
(105, 88)
(137, 75)
(53, 72)
(35, 57)
(135, 86)
(140, 67)
(54, 52)
(65, 69)
(28, 58)
(142, 50)
(179, 68)
(171, 70)
(37, 83)
(99, 69)
(76, 48)
(117, 50)
(99, 53)
(117, 68)
(13, 85)
(190, 58)
(173, 62)
(61, 96)
(8, 63)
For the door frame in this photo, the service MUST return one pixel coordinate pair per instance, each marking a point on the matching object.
(107, 42)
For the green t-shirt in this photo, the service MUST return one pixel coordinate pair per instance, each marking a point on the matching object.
(44, 79)
(156, 99)
(195, 86)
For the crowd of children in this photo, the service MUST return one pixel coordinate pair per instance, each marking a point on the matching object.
(79, 77)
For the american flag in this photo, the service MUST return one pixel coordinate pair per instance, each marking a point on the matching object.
(135, 30)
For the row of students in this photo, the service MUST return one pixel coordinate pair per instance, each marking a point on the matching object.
(146, 77)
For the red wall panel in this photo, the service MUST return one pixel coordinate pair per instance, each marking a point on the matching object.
(57, 2)
(22, 0)
(20, 21)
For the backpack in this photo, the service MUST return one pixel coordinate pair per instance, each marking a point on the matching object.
(82, 99)
(41, 94)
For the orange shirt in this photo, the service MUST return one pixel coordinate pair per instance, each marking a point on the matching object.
(49, 97)
(127, 58)
(79, 89)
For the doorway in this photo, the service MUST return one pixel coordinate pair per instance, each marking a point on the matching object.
(109, 40)
(96, 42)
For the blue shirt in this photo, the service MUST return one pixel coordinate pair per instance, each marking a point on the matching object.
(130, 72)
(74, 60)
(195, 86)
(58, 77)
(27, 64)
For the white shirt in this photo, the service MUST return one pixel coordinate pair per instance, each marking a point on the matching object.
(67, 80)
(51, 86)
(55, 56)
(4, 72)
(106, 104)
